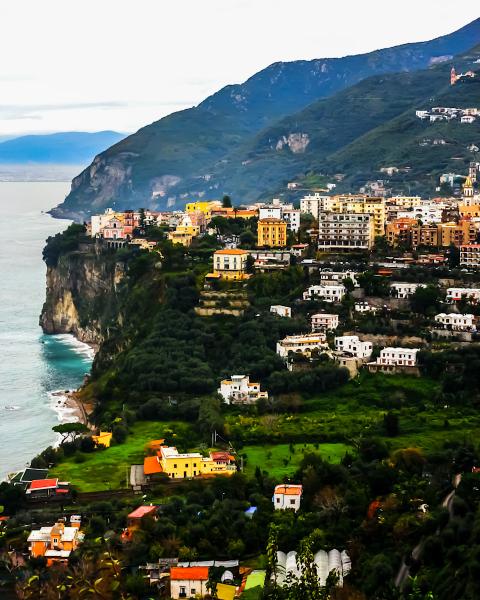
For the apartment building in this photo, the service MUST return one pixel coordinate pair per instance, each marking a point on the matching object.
(398, 231)
(314, 204)
(455, 294)
(230, 264)
(327, 293)
(352, 345)
(398, 356)
(470, 255)
(301, 344)
(403, 290)
(272, 233)
(340, 232)
(324, 322)
(456, 322)
(281, 311)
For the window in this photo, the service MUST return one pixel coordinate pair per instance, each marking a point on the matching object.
(193, 591)
(278, 500)
(292, 501)
(174, 466)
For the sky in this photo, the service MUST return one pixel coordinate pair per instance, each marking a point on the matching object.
(90, 65)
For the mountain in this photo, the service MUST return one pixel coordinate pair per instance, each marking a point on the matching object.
(177, 157)
(72, 147)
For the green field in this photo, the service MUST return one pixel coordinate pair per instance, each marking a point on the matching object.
(279, 460)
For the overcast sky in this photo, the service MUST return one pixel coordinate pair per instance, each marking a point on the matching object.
(120, 64)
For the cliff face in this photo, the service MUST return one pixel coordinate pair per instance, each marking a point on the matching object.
(82, 295)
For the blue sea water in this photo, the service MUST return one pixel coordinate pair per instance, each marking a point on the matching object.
(32, 365)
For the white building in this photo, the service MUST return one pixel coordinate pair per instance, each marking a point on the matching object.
(401, 289)
(467, 119)
(398, 357)
(239, 390)
(284, 212)
(327, 293)
(301, 344)
(281, 311)
(364, 307)
(455, 294)
(315, 203)
(351, 344)
(98, 222)
(287, 496)
(188, 582)
(338, 277)
(456, 322)
(324, 322)
(345, 231)
(427, 212)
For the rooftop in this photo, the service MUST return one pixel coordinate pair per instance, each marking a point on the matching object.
(142, 511)
(43, 484)
(289, 489)
(189, 573)
(236, 251)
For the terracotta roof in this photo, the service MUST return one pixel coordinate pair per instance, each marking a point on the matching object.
(151, 465)
(232, 251)
(142, 511)
(189, 573)
(43, 484)
(290, 490)
(272, 220)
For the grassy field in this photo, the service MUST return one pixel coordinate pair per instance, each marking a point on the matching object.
(279, 460)
(108, 469)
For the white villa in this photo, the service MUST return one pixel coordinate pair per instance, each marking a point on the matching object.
(338, 277)
(328, 293)
(287, 496)
(470, 294)
(351, 344)
(398, 357)
(400, 289)
(455, 322)
(239, 390)
(324, 322)
(281, 311)
(301, 344)
(363, 307)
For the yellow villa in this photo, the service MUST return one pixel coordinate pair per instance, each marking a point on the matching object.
(184, 232)
(204, 207)
(272, 233)
(230, 265)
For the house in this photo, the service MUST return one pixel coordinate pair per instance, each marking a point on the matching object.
(335, 277)
(467, 119)
(287, 496)
(188, 582)
(56, 543)
(393, 360)
(230, 265)
(239, 390)
(468, 294)
(298, 250)
(301, 344)
(456, 322)
(351, 344)
(25, 478)
(135, 519)
(327, 293)
(324, 322)
(281, 311)
(403, 290)
(185, 231)
(44, 489)
(364, 307)
(190, 464)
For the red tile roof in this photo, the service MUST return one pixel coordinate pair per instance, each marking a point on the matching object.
(289, 490)
(151, 465)
(189, 573)
(142, 511)
(43, 484)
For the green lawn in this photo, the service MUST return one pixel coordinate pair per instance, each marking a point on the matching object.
(279, 460)
(108, 469)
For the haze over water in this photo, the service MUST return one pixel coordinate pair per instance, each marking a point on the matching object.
(32, 365)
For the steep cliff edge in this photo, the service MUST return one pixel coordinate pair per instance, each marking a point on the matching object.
(82, 296)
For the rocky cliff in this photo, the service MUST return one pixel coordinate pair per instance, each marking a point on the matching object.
(82, 296)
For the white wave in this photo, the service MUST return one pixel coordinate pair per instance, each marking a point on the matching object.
(76, 345)
(58, 401)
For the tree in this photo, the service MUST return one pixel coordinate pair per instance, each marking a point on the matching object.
(425, 299)
(391, 425)
(70, 431)
(226, 202)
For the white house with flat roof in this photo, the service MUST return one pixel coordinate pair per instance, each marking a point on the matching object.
(240, 390)
(287, 496)
(403, 290)
(398, 357)
(456, 322)
(281, 311)
(455, 294)
(364, 307)
(324, 322)
(351, 344)
(327, 293)
(301, 344)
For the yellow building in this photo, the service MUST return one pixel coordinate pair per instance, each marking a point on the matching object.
(272, 233)
(360, 204)
(230, 265)
(204, 207)
(193, 464)
(104, 438)
(184, 232)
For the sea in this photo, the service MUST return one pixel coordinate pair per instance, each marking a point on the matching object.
(35, 369)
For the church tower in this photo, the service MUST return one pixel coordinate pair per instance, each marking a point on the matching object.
(468, 192)
(453, 76)
(472, 171)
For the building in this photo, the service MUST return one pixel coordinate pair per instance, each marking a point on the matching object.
(240, 390)
(283, 212)
(185, 231)
(287, 496)
(230, 265)
(98, 222)
(188, 582)
(456, 322)
(398, 231)
(288, 569)
(56, 543)
(327, 293)
(292, 218)
(398, 357)
(205, 207)
(104, 439)
(272, 233)
(281, 311)
(345, 232)
(351, 344)
(334, 277)
(313, 204)
(468, 294)
(457, 234)
(136, 518)
(324, 322)
(364, 307)
(192, 464)
(403, 290)
(45, 489)
(470, 255)
(304, 344)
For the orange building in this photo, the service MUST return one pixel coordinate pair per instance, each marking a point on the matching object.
(56, 543)
(399, 231)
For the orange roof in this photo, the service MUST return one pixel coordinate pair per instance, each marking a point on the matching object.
(155, 443)
(291, 490)
(43, 484)
(141, 512)
(189, 573)
(232, 251)
(151, 465)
